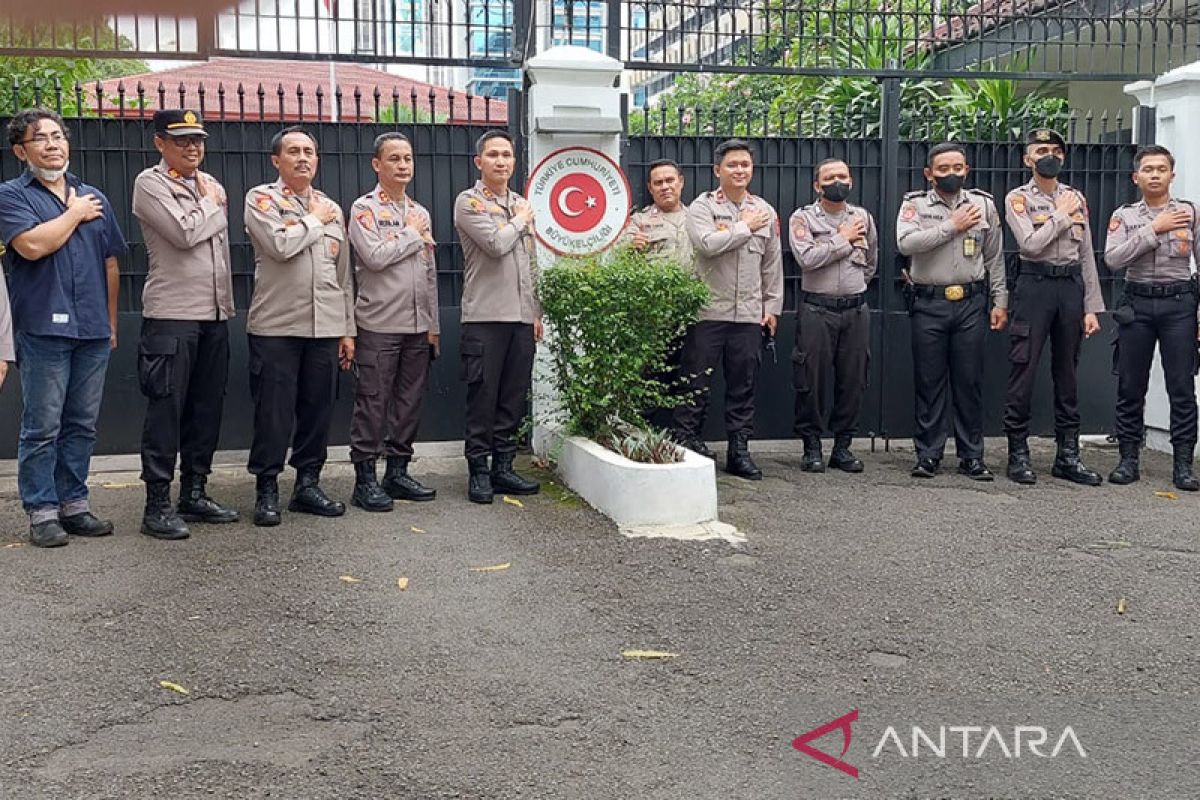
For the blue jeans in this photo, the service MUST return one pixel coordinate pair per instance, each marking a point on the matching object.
(62, 382)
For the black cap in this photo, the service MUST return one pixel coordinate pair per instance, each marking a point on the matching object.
(1046, 136)
(178, 122)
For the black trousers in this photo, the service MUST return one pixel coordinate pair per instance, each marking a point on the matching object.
(392, 372)
(947, 349)
(497, 366)
(832, 347)
(182, 368)
(1169, 322)
(708, 345)
(1044, 308)
(293, 381)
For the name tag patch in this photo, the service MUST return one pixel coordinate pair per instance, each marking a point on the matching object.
(60, 319)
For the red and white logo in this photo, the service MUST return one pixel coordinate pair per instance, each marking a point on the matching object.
(580, 199)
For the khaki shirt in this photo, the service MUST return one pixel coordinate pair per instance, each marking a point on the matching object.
(829, 264)
(666, 234)
(1046, 235)
(302, 281)
(1151, 257)
(743, 268)
(500, 272)
(8, 350)
(393, 265)
(187, 246)
(941, 254)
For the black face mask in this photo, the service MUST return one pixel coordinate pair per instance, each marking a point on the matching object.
(835, 192)
(1048, 166)
(948, 183)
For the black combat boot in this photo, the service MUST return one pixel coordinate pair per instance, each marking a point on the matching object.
(196, 506)
(368, 494)
(693, 443)
(402, 486)
(479, 490)
(266, 501)
(309, 498)
(1067, 464)
(841, 457)
(1020, 468)
(1184, 478)
(505, 481)
(1126, 470)
(812, 460)
(737, 458)
(49, 533)
(159, 519)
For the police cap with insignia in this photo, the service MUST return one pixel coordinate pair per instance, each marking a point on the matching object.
(1046, 136)
(178, 122)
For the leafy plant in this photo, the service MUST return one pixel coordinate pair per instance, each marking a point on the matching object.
(640, 443)
(613, 320)
(399, 112)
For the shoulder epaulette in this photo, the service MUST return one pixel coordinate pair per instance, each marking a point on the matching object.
(981, 193)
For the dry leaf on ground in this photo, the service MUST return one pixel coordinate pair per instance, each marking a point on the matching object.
(648, 654)
(415, 529)
(1167, 495)
(174, 687)
(402, 583)
(349, 579)
(513, 502)
(495, 568)
(1121, 606)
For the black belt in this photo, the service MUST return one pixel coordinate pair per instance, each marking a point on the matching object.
(834, 302)
(953, 292)
(1158, 289)
(1049, 270)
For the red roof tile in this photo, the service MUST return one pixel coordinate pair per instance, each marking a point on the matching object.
(300, 82)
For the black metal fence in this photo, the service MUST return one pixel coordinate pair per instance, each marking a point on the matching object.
(109, 151)
(1040, 39)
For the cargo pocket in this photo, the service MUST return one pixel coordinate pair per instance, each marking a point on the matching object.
(1018, 343)
(367, 384)
(156, 365)
(472, 361)
(800, 371)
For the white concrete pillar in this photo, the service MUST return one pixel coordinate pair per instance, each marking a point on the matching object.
(574, 101)
(1174, 99)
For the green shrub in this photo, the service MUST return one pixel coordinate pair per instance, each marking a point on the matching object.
(614, 318)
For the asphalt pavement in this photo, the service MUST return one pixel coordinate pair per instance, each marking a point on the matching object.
(291, 663)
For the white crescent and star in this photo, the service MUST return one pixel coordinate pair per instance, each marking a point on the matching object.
(562, 201)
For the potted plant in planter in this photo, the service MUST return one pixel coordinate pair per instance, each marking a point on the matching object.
(612, 320)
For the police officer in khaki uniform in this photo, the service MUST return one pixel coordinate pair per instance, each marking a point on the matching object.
(502, 319)
(836, 246)
(1056, 297)
(660, 229)
(956, 244)
(397, 316)
(183, 355)
(301, 326)
(736, 240)
(1155, 240)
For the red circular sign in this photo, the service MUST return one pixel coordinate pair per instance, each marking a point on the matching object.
(578, 202)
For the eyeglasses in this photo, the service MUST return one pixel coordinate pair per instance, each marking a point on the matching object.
(183, 142)
(42, 139)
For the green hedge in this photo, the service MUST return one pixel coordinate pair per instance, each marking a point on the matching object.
(614, 318)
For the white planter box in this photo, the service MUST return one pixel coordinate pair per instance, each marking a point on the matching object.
(639, 495)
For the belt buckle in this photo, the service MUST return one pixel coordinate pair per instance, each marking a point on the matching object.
(955, 293)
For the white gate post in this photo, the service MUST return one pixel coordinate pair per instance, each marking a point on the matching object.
(574, 101)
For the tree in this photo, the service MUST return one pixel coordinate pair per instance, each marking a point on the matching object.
(846, 36)
(51, 80)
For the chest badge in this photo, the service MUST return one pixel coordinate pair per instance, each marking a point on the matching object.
(969, 247)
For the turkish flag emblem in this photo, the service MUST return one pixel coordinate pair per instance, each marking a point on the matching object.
(578, 202)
